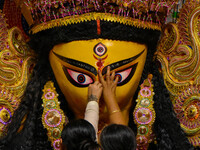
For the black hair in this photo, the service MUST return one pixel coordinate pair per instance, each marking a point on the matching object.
(79, 135)
(166, 127)
(117, 137)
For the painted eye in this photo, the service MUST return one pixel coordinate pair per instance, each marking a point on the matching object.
(125, 75)
(100, 49)
(79, 79)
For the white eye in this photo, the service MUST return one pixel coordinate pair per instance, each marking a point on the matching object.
(79, 79)
(100, 49)
(123, 75)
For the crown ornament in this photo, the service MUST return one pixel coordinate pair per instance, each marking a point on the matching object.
(46, 14)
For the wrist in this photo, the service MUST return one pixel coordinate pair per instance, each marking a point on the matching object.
(93, 98)
(108, 98)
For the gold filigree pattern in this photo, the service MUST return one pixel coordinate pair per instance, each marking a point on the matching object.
(149, 14)
(94, 16)
(53, 117)
(144, 114)
(16, 64)
(179, 54)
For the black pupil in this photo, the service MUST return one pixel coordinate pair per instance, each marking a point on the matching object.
(100, 49)
(81, 78)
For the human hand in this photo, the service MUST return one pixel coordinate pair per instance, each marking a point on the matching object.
(109, 84)
(109, 91)
(95, 91)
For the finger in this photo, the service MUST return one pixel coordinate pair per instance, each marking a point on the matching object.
(96, 82)
(101, 77)
(112, 76)
(89, 87)
(101, 88)
(108, 74)
(99, 85)
(116, 81)
(89, 90)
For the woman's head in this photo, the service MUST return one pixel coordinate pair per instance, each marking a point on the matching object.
(117, 137)
(79, 135)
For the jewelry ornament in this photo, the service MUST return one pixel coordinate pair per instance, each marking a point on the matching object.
(179, 54)
(144, 114)
(53, 117)
(16, 65)
(47, 14)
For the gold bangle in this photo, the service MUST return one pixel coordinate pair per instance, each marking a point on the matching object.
(115, 111)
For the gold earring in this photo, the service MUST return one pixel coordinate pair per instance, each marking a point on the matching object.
(53, 117)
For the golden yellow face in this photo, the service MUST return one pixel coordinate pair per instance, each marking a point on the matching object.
(76, 64)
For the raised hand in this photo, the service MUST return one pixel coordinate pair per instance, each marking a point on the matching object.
(109, 85)
(109, 94)
(95, 91)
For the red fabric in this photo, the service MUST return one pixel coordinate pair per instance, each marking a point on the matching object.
(13, 15)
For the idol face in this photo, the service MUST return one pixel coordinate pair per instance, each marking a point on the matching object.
(76, 64)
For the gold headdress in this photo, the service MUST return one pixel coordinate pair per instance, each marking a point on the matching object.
(179, 54)
(45, 14)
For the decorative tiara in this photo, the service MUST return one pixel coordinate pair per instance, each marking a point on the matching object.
(46, 14)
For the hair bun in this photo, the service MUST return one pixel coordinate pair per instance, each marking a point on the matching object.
(88, 144)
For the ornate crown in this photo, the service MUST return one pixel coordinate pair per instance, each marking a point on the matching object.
(46, 14)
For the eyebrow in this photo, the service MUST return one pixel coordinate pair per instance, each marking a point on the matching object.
(78, 64)
(121, 63)
(93, 69)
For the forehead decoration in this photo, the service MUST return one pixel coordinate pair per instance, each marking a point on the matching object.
(100, 50)
(46, 14)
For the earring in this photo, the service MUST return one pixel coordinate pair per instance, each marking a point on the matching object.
(53, 117)
(144, 114)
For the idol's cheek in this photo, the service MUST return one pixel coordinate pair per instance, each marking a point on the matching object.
(126, 92)
(75, 96)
